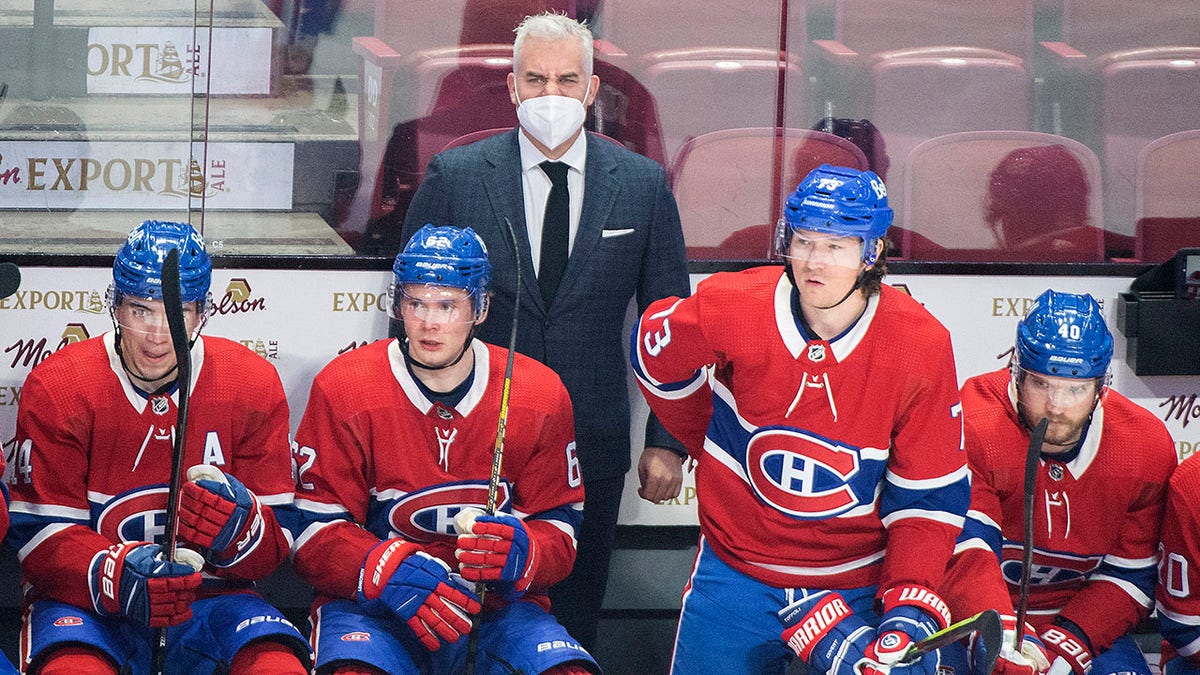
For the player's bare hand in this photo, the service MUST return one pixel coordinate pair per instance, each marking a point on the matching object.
(660, 474)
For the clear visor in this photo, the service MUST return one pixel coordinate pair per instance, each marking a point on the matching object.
(1058, 391)
(818, 248)
(433, 304)
(147, 316)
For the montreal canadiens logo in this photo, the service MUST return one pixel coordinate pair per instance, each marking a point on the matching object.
(357, 636)
(1050, 569)
(427, 515)
(137, 515)
(801, 474)
(67, 621)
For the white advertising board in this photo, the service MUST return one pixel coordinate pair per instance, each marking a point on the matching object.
(124, 175)
(176, 59)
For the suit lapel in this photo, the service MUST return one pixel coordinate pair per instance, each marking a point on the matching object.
(599, 196)
(506, 196)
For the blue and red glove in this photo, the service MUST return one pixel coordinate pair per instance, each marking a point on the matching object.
(1070, 650)
(1031, 660)
(825, 633)
(218, 514)
(397, 577)
(495, 549)
(911, 613)
(131, 580)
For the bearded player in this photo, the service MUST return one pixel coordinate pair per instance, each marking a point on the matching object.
(1097, 505)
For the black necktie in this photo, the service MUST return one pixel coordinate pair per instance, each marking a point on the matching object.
(556, 227)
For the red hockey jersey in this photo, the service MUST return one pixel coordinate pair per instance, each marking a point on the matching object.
(821, 463)
(1096, 518)
(94, 457)
(378, 459)
(1179, 564)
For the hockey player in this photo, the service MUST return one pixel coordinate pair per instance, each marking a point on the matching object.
(395, 454)
(1179, 573)
(822, 409)
(1098, 501)
(94, 435)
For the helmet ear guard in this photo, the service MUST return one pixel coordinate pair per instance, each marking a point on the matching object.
(840, 201)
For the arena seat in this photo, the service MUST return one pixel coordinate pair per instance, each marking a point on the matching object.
(1166, 176)
(1003, 196)
(709, 64)
(919, 69)
(730, 184)
(1146, 94)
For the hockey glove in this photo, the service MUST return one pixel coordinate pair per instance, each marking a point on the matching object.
(1070, 650)
(399, 578)
(1031, 660)
(217, 513)
(495, 549)
(910, 613)
(825, 634)
(131, 580)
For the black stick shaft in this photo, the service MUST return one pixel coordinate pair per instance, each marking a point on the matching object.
(1036, 438)
(173, 306)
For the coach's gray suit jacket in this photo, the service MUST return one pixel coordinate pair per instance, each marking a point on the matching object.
(629, 244)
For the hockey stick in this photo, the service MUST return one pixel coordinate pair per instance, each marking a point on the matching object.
(498, 448)
(173, 305)
(986, 624)
(1036, 437)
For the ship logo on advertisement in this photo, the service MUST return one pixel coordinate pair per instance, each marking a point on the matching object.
(149, 62)
(29, 352)
(357, 636)
(802, 474)
(238, 299)
(68, 621)
(427, 515)
(264, 347)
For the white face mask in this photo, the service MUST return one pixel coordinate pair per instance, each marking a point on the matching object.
(552, 119)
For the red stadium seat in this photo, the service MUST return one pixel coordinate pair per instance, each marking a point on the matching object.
(1158, 239)
(730, 185)
(1003, 196)
(724, 54)
(924, 68)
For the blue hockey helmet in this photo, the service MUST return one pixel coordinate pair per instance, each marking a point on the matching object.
(446, 256)
(137, 268)
(1064, 335)
(840, 201)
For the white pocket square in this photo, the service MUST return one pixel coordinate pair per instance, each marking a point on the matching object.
(616, 233)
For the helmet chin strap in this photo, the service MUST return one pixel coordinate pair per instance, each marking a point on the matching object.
(857, 285)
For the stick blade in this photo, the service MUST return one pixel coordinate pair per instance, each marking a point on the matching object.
(991, 634)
